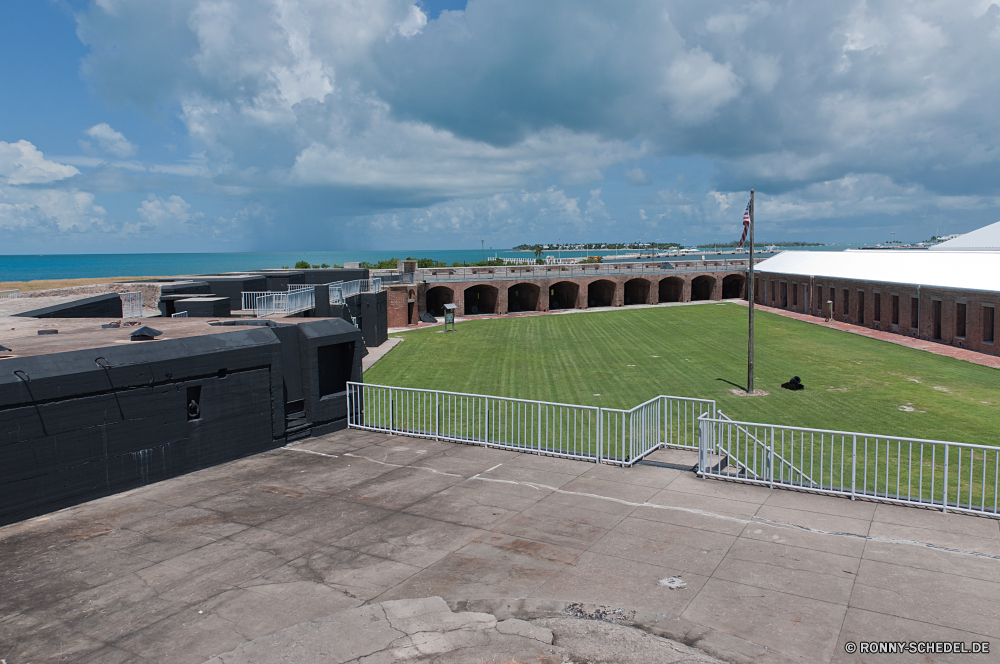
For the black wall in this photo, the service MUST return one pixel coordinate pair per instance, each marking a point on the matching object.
(84, 424)
(74, 431)
(108, 305)
(204, 307)
(233, 287)
(373, 311)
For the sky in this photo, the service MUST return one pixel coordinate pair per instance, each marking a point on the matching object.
(282, 125)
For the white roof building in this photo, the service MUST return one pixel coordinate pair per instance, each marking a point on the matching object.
(966, 269)
(986, 238)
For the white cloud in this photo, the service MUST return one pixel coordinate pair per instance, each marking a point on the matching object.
(22, 163)
(413, 23)
(111, 141)
(50, 211)
(373, 105)
(171, 212)
(638, 176)
(698, 86)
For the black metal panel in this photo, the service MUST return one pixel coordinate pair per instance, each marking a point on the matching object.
(107, 305)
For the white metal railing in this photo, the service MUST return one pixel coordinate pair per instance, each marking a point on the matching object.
(293, 287)
(131, 304)
(341, 290)
(579, 432)
(179, 314)
(665, 267)
(291, 302)
(895, 469)
(10, 294)
(248, 300)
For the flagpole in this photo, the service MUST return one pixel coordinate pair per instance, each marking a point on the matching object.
(750, 297)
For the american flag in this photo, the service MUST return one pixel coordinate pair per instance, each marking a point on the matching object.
(746, 224)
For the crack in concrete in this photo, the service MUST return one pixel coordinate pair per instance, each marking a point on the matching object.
(620, 501)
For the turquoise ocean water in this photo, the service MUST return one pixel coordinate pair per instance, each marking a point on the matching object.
(73, 266)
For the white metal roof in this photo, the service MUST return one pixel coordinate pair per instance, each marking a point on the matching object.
(986, 238)
(965, 270)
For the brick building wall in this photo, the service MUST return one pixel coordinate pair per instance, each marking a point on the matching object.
(967, 319)
(500, 297)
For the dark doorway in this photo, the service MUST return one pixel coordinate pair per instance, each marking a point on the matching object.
(784, 294)
(600, 293)
(636, 291)
(960, 310)
(732, 286)
(702, 288)
(671, 289)
(480, 299)
(335, 363)
(936, 316)
(522, 297)
(861, 307)
(437, 297)
(562, 295)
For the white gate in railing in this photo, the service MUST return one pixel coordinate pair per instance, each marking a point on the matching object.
(10, 294)
(131, 304)
(894, 469)
(267, 303)
(179, 314)
(579, 432)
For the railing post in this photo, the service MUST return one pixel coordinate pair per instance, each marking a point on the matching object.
(944, 483)
(770, 463)
(854, 463)
(437, 416)
(539, 441)
(703, 436)
(600, 434)
(486, 421)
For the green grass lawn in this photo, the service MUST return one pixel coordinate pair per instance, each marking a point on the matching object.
(852, 383)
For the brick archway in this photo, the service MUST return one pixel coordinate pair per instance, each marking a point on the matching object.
(601, 293)
(637, 291)
(563, 295)
(702, 288)
(732, 286)
(522, 297)
(480, 299)
(671, 289)
(437, 297)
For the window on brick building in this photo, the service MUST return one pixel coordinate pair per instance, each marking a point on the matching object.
(819, 299)
(988, 324)
(936, 319)
(877, 313)
(895, 310)
(847, 303)
(914, 313)
(773, 294)
(795, 295)
(960, 320)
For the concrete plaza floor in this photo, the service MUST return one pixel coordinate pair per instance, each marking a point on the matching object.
(204, 564)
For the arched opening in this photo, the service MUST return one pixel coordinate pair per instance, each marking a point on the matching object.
(522, 297)
(437, 297)
(636, 291)
(562, 295)
(600, 293)
(702, 288)
(671, 289)
(732, 286)
(480, 299)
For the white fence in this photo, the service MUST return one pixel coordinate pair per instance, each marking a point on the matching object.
(291, 302)
(910, 471)
(578, 432)
(341, 290)
(10, 294)
(894, 469)
(131, 304)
